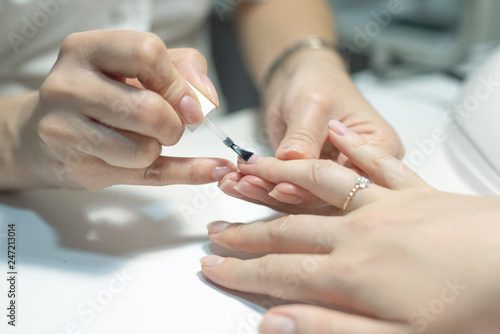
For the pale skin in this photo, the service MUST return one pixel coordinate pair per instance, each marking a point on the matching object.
(312, 87)
(405, 259)
(102, 115)
(114, 98)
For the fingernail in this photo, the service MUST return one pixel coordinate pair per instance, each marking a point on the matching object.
(216, 227)
(240, 187)
(294, 152)
(286, 198)
(190, 110)
(221, 171)
(211, 261)
(226, 184)
(253, 160)
(338, 128)
(277, 324)
(213, 96)
(251, 190)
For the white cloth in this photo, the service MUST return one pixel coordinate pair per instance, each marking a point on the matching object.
(31, 31)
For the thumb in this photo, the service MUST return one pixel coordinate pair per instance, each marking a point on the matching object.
(192, 65)
(305, 135)
(307, 319)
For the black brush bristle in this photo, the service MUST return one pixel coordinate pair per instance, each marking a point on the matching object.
(244, 154)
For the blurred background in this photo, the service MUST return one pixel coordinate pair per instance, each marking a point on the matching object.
(393, 38)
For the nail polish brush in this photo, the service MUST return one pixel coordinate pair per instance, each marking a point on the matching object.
(207, 107)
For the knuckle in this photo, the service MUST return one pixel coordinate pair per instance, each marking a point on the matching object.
(174, 134)
(195, 173)
(148, 110)
(359, 144)
(318, 101)
(193, 56)
(276, 231)
(149, 49)
(264, 268)
(320, 170)
(150, 113)
(55, 87)
(50, 129)
(366, 223)
(154, 174)
(304, 135)
(379, 162)
(71, 43)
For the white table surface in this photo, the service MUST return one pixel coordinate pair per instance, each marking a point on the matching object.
(125, 260)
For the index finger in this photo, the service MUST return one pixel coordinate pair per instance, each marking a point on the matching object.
(298, 277)
(324, 178)
(140, 55)
(383, 168)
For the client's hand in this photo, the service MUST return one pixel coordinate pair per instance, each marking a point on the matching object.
(406, 259)
(298, 186)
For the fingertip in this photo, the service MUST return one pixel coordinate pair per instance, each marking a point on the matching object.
(217, 226)
(285, 197)
(234, 176)
(211, 261)
(255, 158)
(222, 170)
(275, 323)
(338, 128)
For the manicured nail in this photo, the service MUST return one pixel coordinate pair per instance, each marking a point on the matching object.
(211, 261)
(253, 160)
(221, 171)
(191, 110)
(226, 185)
(251, 190)
(293, 152)
(213, 96)
(286, 198)
(277, 324)
(338, 128)
(241, 187)
(216, 227)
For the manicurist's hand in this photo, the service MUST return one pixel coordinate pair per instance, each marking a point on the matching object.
(108, 105)
(312, 88)
(405, 259)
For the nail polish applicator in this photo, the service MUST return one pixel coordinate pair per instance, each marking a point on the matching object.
(207, 107)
